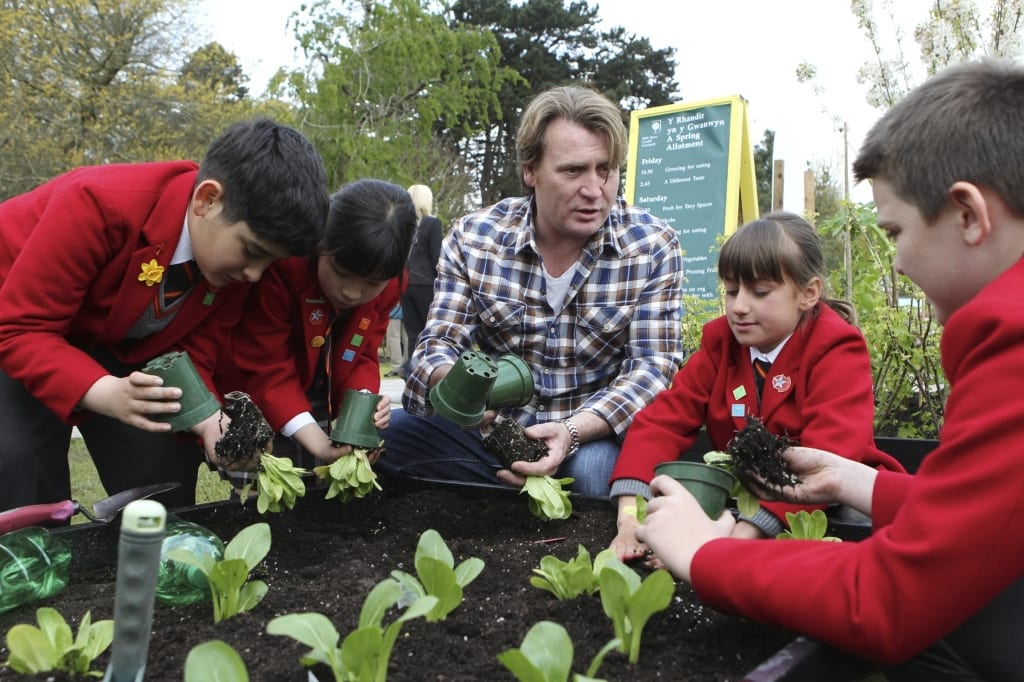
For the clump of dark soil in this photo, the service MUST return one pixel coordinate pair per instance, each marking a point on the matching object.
(326, 556)
(247, 435)
(509, 443)
(757, 456)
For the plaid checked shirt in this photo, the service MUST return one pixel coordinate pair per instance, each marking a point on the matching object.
(612, 346)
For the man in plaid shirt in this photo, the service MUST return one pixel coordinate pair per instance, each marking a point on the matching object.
(585, 289)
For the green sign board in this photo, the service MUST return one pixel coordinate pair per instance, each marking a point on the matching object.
(691, 165)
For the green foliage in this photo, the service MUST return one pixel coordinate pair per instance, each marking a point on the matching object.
(51, 645)
(350, 476)
(231, 590)
(804, 525)
(363, 655)
(697, 312)
(638, 509)
(547, 498)
(567, 579)
(898, 325)
(764, 170)
(437, 575)
(214, 660)
(546, 656)
(280, 484)
(630, 602)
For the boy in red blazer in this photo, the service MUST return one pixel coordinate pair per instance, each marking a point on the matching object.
(314, 325)
(85, 301)
(936, 593)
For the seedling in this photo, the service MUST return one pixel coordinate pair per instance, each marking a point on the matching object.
(746, 501)
(350, 476)
(51, 646)
(280, 484)
(215, 660)
(547, 498)
(804, 525)
(638, 509)
(437, 575)
(230, 588)
(566, 579)
(546, 656)
(363, 655)
(630, 602)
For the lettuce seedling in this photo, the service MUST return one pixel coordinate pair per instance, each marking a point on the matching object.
(566, 579)
(746, 501)
(363, 655)
(437, 575)
(350, 476)
(51, 646)
(280, 484)
(230, 588)
(215, 660)
(546, 656)
(547, 499)
(638, 509)
(628, 602)
(804, 525)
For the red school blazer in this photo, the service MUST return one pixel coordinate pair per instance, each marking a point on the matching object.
(278, 344)
(71, 252)
(818, 392)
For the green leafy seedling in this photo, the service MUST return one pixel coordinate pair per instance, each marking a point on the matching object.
(51, 645)
(630, 602)
(804, 525)
(746, 501)
(638, 509)
(363, 655)
(566, 579)
(548, 500)
(350, 476)
(437, 575)
(215, 660)
(280, 484)
(546, 656)
(230, 588)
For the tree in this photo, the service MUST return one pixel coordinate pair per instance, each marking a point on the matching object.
(217, 69)
(549, 43)
(390, 87)
(97, 82)
(764, 171)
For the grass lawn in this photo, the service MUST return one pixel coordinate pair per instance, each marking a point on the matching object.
(86, 487)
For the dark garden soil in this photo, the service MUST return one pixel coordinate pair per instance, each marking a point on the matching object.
(327, 555)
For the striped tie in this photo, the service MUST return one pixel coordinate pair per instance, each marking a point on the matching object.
(761, 368)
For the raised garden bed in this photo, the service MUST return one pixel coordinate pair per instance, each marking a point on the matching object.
(326, 556)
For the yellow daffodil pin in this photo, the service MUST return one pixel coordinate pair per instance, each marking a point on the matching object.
(152, 273)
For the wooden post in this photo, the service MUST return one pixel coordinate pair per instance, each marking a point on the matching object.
(778, 185)
(809, 207)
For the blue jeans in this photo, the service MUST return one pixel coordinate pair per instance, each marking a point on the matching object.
(435, 448)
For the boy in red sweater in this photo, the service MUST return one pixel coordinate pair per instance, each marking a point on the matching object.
(936, 592)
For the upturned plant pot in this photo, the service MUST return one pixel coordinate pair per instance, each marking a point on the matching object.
(710, 484)
(354, 424)
(461, 397)
(197, 402)
(513, 385)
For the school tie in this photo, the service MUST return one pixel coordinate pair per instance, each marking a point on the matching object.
(761, 368)
(180, 279)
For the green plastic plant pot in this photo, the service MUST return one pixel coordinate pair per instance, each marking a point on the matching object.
(513, 385)
(197, 402)
(354, 424)
(461, 397)
(711, 485)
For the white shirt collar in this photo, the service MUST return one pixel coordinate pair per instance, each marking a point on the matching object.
(770, 357)
(183, 252)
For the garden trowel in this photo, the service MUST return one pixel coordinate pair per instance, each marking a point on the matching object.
(57, 513)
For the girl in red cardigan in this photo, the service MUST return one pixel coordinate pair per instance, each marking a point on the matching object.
(313, 327)
(817, 389)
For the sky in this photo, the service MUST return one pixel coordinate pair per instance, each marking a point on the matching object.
(749, 48)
